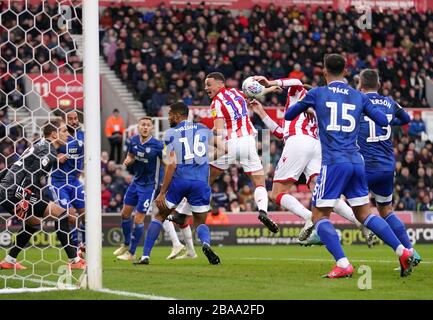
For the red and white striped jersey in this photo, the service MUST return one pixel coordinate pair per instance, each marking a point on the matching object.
(230, 104)
(303, 124)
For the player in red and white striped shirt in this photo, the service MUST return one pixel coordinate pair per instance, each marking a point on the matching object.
(301, 154)
(231, 120)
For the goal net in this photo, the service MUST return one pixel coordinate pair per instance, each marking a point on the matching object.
(41, 80)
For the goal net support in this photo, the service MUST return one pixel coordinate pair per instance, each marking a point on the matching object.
(49, 66)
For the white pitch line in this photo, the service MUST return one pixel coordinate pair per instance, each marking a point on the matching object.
(327, 260)
(26, 290)
(133, 294)
(54, 288)
(52, 284)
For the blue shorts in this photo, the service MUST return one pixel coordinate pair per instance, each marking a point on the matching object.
(381, 185)
(139, 197)
(341, 178)
(70, 194)
(196, 192)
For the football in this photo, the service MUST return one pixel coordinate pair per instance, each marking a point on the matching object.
(252, 88)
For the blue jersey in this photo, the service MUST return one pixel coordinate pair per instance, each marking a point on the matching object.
(190, 142)
(375, 141)
(70, 170)
(147, 165)
(339, 108)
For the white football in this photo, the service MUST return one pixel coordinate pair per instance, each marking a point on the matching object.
(252, 88)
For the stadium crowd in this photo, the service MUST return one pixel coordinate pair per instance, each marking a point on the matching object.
(164, 55)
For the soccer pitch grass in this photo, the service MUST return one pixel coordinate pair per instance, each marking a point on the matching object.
(255, 273)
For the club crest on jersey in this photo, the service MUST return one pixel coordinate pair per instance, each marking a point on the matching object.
(45, 161)
(80, 143)
(147, 149)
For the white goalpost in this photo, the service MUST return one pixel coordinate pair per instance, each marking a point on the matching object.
(44, 60)
(92, 123)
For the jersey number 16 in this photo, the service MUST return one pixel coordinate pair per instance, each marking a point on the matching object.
(199, 148)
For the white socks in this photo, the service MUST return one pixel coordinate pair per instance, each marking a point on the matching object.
(292, 204)
(343, 209)
(261, 198)
(169, 228)
(9, 259)
(343, 263)
(187, 237)
(399, 250)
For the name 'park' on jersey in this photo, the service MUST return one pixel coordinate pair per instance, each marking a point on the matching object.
(338, 107)
(375, 141)
(147, 162)
(71, 169)
(190, 142)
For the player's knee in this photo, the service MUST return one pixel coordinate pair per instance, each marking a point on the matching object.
(200, 218)
(384, 210)
(273, 195)
(126, 214)
(139, 218)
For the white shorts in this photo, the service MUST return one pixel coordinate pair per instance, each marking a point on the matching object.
(184, 208)
(301, 154)
(242, 150)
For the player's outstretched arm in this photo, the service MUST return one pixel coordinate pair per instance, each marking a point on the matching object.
(301, 106)
(170, 168)
(283, 82)
(257, 107)
(274, 89)
(375, 114)
(218, 147)
(218, 127)
(130, 158)
(62, 157)
(401, 116)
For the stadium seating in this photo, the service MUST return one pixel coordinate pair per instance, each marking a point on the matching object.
(164, 55)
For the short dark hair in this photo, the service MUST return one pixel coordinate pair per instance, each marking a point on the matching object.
(51, 125)
(369, 79)
(145, 118)
(216, 76)
(335, 64)
(179, 108)
(115, 110)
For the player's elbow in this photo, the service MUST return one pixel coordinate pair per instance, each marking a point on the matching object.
(405, 119)
(289, 115)
(279, 135)
(381, 120)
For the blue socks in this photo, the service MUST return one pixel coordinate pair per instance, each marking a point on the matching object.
(151, 236)
(203, 233)
(399, 229)
(73, 238)
(382, 230)
(329, 237)
(126, 229)
(136, 236)
(83, 232)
